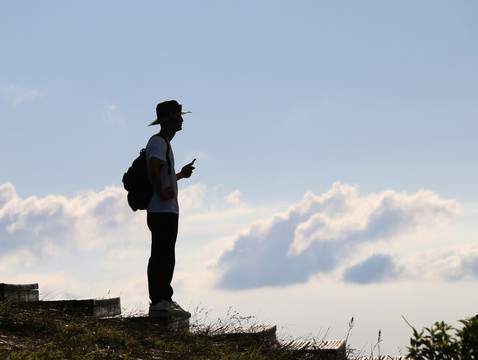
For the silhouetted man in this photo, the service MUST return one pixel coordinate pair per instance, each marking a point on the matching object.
(163, 209)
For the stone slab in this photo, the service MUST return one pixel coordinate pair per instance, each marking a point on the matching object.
(387, 357)
(91, 307)
(16, 292)
(161, 323)
(265, 334)
(328, 349)
(172, 322)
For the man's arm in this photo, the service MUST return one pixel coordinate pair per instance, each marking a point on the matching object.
(154, 172)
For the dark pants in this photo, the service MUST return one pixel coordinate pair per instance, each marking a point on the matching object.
(164, 230)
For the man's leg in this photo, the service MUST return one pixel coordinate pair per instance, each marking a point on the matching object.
(164, 231)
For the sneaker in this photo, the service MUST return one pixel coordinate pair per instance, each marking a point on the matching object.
(176, 306)
(167, 308)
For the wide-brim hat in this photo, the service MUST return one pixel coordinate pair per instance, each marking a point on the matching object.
(167, 108)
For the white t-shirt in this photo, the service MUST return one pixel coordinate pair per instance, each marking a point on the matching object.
(157, 147)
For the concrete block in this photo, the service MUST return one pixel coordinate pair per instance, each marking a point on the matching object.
(172, 322)
(91, 307)
(263, 334)
(13, 292)
(159, 324)
(107, 307)
(328, 349)
(381, 358)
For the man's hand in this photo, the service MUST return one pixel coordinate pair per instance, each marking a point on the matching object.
(186, 171)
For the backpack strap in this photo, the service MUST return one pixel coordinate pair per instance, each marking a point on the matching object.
(168, 148)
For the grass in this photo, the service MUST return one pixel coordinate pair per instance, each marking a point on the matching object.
(30, 332)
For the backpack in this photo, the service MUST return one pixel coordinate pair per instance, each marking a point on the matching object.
(136, 181)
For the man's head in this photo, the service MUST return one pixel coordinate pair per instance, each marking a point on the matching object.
(168, 110)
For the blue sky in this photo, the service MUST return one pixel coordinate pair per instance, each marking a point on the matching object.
(335, 146)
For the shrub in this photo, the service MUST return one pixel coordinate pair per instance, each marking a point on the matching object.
(443, 342)
(469, 338)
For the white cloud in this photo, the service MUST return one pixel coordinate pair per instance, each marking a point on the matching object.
(112, 114)
(341, 214)
(338, 231)
(192, 197)
(17, 95)
(377, 268)
(450, 263)
(234, 198)
(55, 225)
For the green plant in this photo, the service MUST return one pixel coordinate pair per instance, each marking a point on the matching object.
(469, 338)
(350, 352)
(443, 342)
(377, 346)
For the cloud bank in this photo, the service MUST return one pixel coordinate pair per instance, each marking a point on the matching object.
(89, 243)
(55, 223)
(92, 242)
(338, 231)
(81, 246)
